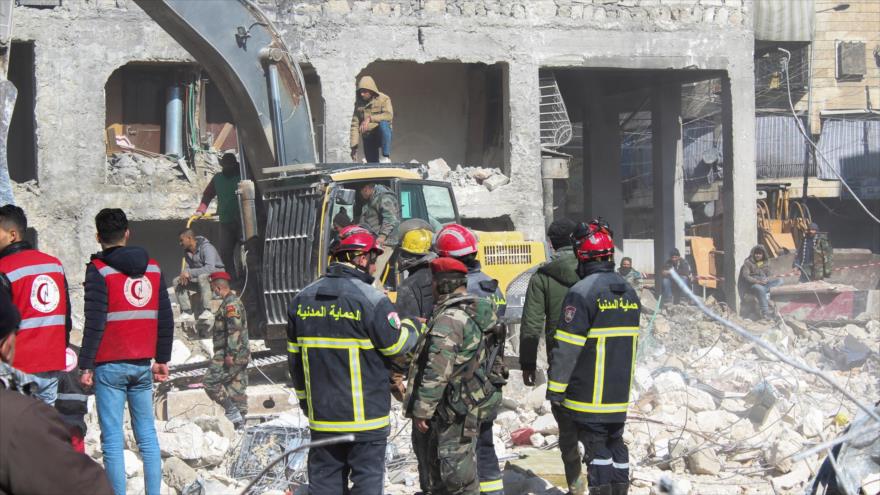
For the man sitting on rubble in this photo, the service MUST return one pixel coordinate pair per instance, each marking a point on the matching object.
(202, 259)
(682, 268)
(632, 276)
(226, 380)
(371, 122)
(755, 278)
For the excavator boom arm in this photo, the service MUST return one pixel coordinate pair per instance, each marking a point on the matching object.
(249, 62)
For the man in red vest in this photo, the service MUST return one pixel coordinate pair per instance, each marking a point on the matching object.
(39, 291)
(128, 324)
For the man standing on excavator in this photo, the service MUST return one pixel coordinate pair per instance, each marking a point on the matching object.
(371, 122)
(224, 185)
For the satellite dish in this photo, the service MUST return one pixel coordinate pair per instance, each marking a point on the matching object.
(709, 209)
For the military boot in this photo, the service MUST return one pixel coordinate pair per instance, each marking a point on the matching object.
(601, 490)
(619, 488)
(233, 414)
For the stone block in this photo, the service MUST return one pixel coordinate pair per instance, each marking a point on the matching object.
(269, 399)
(133, 465)
(434, 7)
(712, 3)
(704, 462)
(190, 404)
(546, 425)
(336, 7)
(496, 181)
(177, 473)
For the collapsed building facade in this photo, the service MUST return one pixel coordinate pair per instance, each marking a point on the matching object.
(466, 80)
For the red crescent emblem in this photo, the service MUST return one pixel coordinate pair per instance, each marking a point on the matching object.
(136, 289)
(42, 290)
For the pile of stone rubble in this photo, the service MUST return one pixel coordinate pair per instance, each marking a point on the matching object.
(460, 176)
(711, 413)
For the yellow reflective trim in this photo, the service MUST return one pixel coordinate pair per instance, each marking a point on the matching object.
(491, 486)
(335, 343)
(595, 408)
(345, 426)
(556, 386)
(569, 338)
(632, 368)
(595, 333)
(292, 347)
(300, 394)
(397, 346)
(308, 380)
(599, 372)
(357, 391)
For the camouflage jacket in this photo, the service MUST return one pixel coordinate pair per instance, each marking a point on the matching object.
(816, 256)
(453, 337)
(230, 331)
(381, 214)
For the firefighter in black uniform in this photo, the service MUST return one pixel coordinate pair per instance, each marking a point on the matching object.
(342, 333)
(457, 241)
(592, 365)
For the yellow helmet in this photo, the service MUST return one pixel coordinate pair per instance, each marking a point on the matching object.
(417, 241)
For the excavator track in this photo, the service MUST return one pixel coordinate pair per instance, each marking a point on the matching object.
(184, 374)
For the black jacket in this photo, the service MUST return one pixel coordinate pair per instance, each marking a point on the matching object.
(482, 285)
(415, 296)
(341, 333)
(132, 261)
(16, 247)
(592, 365)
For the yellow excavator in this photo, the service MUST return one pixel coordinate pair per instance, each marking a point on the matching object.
(287, 199)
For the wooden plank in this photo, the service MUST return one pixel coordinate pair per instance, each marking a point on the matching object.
(703, 251)
(227, 128)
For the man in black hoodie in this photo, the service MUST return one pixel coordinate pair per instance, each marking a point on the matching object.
(128, 324)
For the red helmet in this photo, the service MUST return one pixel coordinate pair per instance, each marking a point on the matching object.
(355, 238)
(592, 240)
(455, 241)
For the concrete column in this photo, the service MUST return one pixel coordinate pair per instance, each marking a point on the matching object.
(738, 190)
(522, 95)
(338, 90)
(602, 175)
(667, 171)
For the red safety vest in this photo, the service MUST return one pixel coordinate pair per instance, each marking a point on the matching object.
(38, 291)
(132, 314)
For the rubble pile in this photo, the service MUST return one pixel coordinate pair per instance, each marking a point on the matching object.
(460, 176)
(128, 169)
(711, 413)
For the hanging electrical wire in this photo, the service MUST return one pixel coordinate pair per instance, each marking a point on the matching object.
(810, 141)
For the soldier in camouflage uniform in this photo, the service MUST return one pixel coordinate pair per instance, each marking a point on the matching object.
(814, 256)
(226, 379)
(441, 398)
(380, 213)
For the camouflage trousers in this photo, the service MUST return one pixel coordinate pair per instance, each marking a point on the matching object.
(221, 383)
(452, 459)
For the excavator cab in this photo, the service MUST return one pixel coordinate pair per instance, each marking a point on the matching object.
(288, 200)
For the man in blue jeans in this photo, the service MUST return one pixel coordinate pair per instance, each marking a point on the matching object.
(128, 322)
(755, 277)
(371, 122)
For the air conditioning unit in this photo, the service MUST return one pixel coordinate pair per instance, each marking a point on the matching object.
(850, 60)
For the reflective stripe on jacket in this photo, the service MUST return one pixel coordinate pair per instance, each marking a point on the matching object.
(592, 365)
(341, 332)
(132, 314)
(39, 291)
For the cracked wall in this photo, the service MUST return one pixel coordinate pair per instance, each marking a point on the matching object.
(78, 45)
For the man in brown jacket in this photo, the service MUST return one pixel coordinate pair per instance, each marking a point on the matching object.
(371, 122)
(36, 455)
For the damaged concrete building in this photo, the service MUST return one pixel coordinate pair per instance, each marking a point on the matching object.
(466, 79)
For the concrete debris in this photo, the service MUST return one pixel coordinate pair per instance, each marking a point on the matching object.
(461, 176)
(706, 406)
(128, 169)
